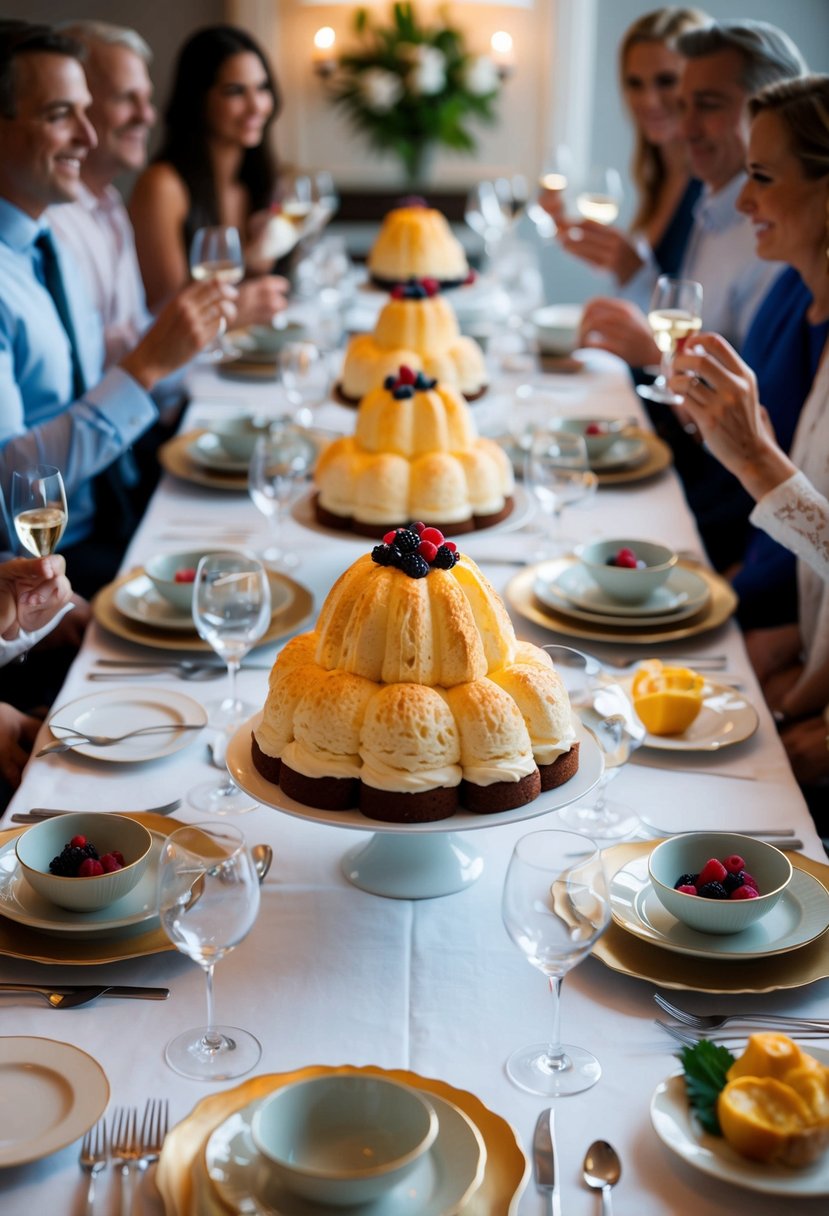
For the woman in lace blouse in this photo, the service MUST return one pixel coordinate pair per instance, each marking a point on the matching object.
(787, 197)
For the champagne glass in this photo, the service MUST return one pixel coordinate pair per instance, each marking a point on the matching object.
(208, 900)
(306, 376)
(675, 314)
(488, 213)
(296, 199)
(558, 473)
(279, 467)
(231, 611)
(601, 196)
(556, 174)
(39, 508)
(216, 254)
(555, 907)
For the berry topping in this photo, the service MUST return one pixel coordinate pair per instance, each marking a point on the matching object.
(745, 892)
(732, 881)
(471, 277)
(109, 863)
(685, 880)
(431, 286)
(413, 200)
(407, 540)
(428, 551)
(119, 856)
(687, 888)
(77, 842)
(398, 292)
(414, 565)
(90, 868)
(407, 382)
(385, 555)
(389, 383)
(595, 428)
(420, 544)
(390, 537)
(750, 881)
(432, 534)
(405, 375)
(71, 856)
(418, 527)
(718, 880)
(734, 863)
(712, 890)
(185, 575)
(712, 871)
(403, 392)
(451, 546)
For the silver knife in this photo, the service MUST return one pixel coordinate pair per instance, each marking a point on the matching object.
(544, 1160)
(137, 993)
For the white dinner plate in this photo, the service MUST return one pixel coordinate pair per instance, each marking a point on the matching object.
(677, 1128)
(52, 1093)
(21, 902)
(681, 589)
(139, 601)
(726, 718)
(440, 1184)
(551, 593)
(800, 916)
(115, 711)
(206, 450)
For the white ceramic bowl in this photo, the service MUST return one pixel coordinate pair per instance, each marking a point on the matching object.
(36, 847)
(238, 435)
(557, 328)
(687, 854)
(161, 571)
(622, 583)
(343, 1139)
(610, 429)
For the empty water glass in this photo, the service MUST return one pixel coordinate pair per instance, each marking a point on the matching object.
(306, 377)
(558, 474)
(277, 474)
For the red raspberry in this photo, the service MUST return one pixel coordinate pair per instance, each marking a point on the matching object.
(744, 892)
(427, 550)
(450, 545)
(419, 528)
(77, 842)
(626, 558)
(594, 428)
(734, 863)
(119, 856)
(90, 868)
(433, 534)
(749, 881)
(406, 375)
(110, 863)
(398, 292)
(389, 538)
(430, 286)
(186, 575)
(687, 889)
(471, 277)
(712, 871)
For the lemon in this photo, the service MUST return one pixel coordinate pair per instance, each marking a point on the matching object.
(762, 1118)
(666, 699)
(767, 1055)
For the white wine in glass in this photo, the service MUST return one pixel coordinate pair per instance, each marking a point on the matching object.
(39, 509)
(601, 197)
(216, 256)
(675, 315)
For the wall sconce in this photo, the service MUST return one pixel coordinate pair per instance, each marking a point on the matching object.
(324, 56)
(503, 54)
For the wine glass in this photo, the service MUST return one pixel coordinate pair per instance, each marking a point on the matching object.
(675, 314)
(606, 710)
(306, 376)
(216, 254)
(555, 907)
(557, 473)
(280, 465)
(601, 196)
(39, 508)
(556, 174)
(231, 611)
(208, 900)
(488, 213)
(296, 199)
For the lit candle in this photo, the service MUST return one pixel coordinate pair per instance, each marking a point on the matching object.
(324, 57)
(503, 54)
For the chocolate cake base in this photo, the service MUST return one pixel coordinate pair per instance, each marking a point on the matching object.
(500, 796)
(426, 806)
(352, 402)
(347, 523)
(561, 770)
(324, 793)
(268, 766)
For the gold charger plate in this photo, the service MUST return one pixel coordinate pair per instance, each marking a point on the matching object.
(719, 607)
(285, 621)
(659, 457)
(18, 941)
(187, 1191)
(174, 458)
(629, 955)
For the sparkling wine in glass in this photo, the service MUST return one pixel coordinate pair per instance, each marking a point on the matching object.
(279, 468)
(39, 510)
(231, 611)
(675, 315)
(557, 473)
(555, 907)
(556, 174)
(601, 197)
(208, 900)
(216, 255)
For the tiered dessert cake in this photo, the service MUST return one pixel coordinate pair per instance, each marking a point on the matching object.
(415, 241)
(413, 698)
(417, 328)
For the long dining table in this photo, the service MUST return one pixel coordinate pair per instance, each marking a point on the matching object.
(332, 974)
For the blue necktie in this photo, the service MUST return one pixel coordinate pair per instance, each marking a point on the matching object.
(53, 282)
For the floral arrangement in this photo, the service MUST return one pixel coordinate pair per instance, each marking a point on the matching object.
(410, 86)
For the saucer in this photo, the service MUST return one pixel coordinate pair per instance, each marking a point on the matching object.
(20, 902)
(801, 915)
(551, 594)
(206, 450)
(681, 589)
(115, 711)
(628, 452)
(137, 599)
(441, 1182)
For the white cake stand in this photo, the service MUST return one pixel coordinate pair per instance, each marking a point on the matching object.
(411, 860)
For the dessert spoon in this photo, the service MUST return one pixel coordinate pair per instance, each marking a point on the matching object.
(601, 1171)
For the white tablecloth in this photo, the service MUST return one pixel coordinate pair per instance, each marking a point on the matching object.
(333, 975)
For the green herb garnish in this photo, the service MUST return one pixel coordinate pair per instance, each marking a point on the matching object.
(706, 1065)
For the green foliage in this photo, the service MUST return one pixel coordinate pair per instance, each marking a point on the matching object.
(407, 85)
(706, 1065)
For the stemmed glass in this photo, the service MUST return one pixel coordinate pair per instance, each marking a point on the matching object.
(280, 465)
(306, 376)
(601, 196)
(208, 900)
(39, 508)
(548, 210)
(216, 254)
(231, 611)
(555, 907)
(558, 473)
(488, 213)
(675, 314)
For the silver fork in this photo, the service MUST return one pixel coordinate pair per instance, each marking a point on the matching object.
(154, 1128)
(48, 812)
(79, 738)
(124, 1149)
(712, 1021)
(690, 1039)
(93, 1159)
(760, 833)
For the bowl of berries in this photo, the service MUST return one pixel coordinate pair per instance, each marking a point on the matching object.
(627, 570)
(173, 575)
(718, 882)
(86, 860)
(599, 434)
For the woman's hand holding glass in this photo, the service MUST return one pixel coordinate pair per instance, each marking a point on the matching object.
(675, 315)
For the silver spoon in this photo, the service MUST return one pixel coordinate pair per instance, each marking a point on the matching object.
(602, 1170)
(262, 855)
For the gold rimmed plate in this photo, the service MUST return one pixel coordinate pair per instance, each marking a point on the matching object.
(175, 457)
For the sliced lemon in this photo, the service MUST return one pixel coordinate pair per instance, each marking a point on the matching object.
(667, 699)
(767, 1054)
(762, 1118)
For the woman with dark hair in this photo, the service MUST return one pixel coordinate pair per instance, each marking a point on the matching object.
(215, 166)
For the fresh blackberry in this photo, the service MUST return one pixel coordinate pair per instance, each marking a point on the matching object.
(403, 392)
(384, 555)
(389, 383)
(407, 540)
(414, 565)
(732, 881)
(69, 859)
(686, 880)
(445, 559)
(713, 890)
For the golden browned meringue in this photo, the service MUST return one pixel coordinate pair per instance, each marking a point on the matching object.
(417, 242)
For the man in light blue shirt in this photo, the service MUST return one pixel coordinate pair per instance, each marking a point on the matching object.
(56, 406)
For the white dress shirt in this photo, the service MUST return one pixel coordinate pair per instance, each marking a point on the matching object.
(24, 641)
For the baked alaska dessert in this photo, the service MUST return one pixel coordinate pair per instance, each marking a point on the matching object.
(415, 241)
(415, 454)
(417, 328)
(412, 698)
